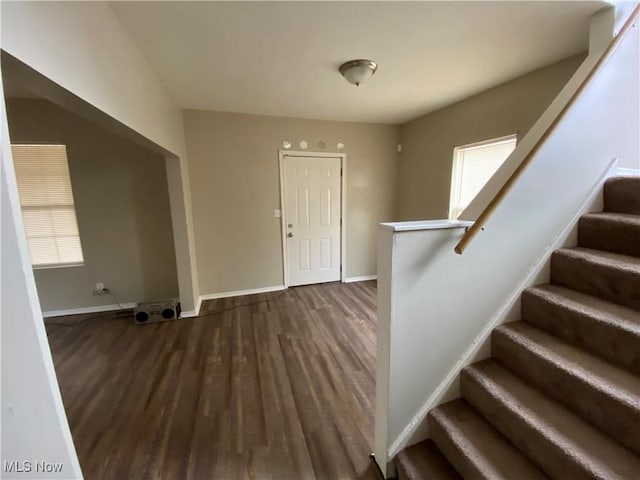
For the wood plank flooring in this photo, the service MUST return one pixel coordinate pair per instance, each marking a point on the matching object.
(283, 388)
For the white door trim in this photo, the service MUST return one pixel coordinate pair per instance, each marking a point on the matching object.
(282, 154)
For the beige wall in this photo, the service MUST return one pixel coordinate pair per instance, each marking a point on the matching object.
(234, 173)
(424, 175)
(122, 205)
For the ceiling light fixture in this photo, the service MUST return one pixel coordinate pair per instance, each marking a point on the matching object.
(357, 71)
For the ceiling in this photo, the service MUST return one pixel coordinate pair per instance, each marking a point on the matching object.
(282, 58)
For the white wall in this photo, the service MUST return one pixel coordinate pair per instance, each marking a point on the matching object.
(441, 305)
(34, 425)
(83, 47)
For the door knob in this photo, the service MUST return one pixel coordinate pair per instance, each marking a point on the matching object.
(290, 235)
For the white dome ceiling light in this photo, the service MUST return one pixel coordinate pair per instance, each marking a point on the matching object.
(357, 71)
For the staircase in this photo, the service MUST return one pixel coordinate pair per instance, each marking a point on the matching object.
(560, 398)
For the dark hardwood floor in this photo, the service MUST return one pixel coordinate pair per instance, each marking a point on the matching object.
(281, 389)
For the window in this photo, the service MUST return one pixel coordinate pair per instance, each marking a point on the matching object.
(48, 212)
(473, 166)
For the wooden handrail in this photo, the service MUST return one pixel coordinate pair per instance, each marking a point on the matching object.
(488, 211)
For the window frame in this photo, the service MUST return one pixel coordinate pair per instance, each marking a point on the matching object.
(49, 207)
(456, 169)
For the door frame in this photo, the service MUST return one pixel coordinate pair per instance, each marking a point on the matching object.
(282, 154)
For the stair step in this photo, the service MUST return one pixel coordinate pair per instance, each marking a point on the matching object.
(559, 442)
(622, 195)
(474, 447)
(610, 276)
(605, 329)
(611, 232)
(423, 461)
(603, 394)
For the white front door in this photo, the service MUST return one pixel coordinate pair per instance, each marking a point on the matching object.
(312, 206)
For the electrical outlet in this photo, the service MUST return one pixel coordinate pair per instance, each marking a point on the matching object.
(100, 290)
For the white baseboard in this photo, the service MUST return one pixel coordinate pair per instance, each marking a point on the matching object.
(363, 278)
(253, 291)
(192, 313)
(84, 310)
(238, 293)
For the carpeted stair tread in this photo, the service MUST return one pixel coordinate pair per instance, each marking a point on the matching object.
(423, 461)
(611, 232)
(603, 394)
(610, 276)
(622, 195)
(603, 328)
(474, 447)
(558, 441)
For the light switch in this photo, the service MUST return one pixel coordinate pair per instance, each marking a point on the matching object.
(277, 213)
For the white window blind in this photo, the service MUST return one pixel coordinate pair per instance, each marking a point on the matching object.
(473, 166)
(48, 211)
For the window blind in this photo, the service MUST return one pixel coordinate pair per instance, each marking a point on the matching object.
(473, 166)
(46, 198)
